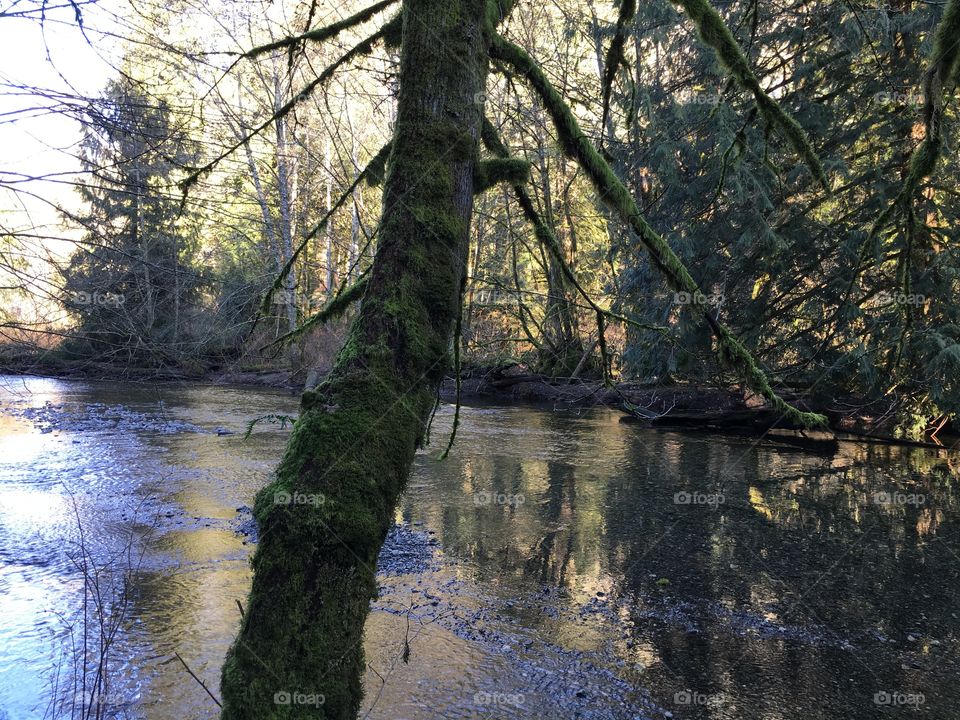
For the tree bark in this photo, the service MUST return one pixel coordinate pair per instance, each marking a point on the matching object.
(326, 513)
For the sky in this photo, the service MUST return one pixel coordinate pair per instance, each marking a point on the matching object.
(53, 56)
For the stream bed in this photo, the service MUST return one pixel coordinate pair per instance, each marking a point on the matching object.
(557, 564)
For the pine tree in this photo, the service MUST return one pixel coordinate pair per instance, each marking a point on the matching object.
(130, 281)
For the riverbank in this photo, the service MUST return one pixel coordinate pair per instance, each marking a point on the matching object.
(678, 406)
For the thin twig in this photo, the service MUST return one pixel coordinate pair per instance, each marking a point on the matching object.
(193, 675)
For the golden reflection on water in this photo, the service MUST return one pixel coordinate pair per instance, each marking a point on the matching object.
(598, 528)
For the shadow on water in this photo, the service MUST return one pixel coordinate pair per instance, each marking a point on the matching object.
(554, 566)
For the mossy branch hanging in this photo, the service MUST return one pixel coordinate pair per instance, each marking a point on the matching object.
(616, 58)
(544, 233)
(715, 33)
(362, 48)
(321, 34)
(372, 173)
(944, 68)
(612, 191)
(332, 310)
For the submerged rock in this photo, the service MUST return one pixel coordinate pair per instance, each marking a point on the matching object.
(98, 417)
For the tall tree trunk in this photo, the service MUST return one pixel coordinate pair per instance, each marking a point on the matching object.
(328, 235)
(563, 348)
(325, 515)
(355, 220)
(285, 209)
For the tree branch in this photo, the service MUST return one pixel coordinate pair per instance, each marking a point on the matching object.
(612, 190)
(321, 34)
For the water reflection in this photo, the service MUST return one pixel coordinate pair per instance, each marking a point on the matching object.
(594, 568)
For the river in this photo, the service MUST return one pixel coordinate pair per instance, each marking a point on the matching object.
(557, 564)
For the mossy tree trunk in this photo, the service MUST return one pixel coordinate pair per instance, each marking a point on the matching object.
(324, 517)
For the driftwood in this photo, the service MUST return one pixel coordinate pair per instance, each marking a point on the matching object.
(767, 424)
(684, 408)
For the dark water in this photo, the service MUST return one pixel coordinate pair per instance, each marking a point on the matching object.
(555, 566)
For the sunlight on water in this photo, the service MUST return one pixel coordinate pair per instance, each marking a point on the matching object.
(555, 566)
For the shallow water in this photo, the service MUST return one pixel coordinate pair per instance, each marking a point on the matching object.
(556, 565)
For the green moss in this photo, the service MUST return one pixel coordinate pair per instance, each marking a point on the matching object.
(615, 194)
(715, 33)
(325, 33)
(492, 172)
(496, 12)
(615, 58)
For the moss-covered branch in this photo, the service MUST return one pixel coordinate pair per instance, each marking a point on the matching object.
(321, 34)
(361, 48)
(612, 190)
(332, 310)
(615, 58)
(715, 33)
(371, 172)
(944, 66)
(546, 236)
(499, 170)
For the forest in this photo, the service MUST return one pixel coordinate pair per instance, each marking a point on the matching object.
(397, 242)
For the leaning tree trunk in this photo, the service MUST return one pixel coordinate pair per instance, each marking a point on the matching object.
(324, 517)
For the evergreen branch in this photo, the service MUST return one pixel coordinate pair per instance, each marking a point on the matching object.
(715, 33)
(612, 190)
(944, 65)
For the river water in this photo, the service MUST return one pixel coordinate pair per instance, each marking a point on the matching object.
(556, 565)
